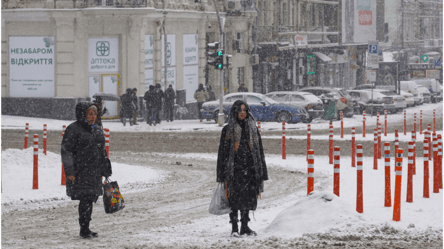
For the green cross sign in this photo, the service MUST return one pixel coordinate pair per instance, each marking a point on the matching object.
(425, 58)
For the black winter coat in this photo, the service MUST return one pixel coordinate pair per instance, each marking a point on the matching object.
(158, 98)
(83, 156)
(149, 98)
(170, 95)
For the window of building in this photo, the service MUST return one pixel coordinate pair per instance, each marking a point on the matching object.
(240, 76)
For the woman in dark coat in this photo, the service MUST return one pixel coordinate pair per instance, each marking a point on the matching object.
(241, 165)
(85, 162)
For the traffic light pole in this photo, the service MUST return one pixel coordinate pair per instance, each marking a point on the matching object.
(220, 118)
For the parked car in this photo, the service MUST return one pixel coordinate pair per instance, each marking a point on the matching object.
(412, 87)
(433, 85)
(397, 100)
(365, 101)
(312, 104)
(344, 102)
(262, 107)
(409, 99)
(425, 93)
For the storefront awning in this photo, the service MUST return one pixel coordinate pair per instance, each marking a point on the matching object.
(322, 56)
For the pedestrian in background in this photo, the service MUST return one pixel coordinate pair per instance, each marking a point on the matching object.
(241, 166)
(242, 88)
(158, 102)
(149, 101)
(210, 93)
(136, 106)
(84, 160)
(201, 96)
(126, 107)
(170, 95)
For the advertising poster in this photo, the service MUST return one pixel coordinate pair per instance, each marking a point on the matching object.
(149, 51)
(171, 50)
(149, 78)
(190, 81)
(103, 55)
(31, 66)
(190, 49)
(171, 78)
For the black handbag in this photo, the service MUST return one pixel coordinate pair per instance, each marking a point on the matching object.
(112, 198)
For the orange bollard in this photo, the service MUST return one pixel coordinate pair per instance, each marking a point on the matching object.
(429, 130)
(353, 155)
(259, 126)
(435, 165)
(420, 122)
(308, 139)
(379, 141)
(284, 155)
(434, 121)
(405, 123)
(35, 176)
(106, 131)
(377, 118)
(342, 125)
(414, 151)
(396, 144)
(363, 124)
(330, 144)
(26, 135)
(410, 173)
(440, 160)
(375, 150)
(310, 176)
(337, 158)
(398, 181)
(414, 122)
(44, 138)
(388, 194)
(359, 193)
(385, 123)
(426, 169)
(63, 169)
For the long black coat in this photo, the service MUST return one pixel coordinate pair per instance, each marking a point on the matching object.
(170, 95)
(246, 186)
(83, 156)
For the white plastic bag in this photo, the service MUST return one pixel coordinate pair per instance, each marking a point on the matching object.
(219, 205)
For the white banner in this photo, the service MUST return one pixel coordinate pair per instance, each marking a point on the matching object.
(103, 54)
(171, 51)
(149, 51)
(190, 81)
(149, 78)
(171, 78)
(190, 49)
(31, 66)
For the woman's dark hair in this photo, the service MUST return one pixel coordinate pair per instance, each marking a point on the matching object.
(235, 109)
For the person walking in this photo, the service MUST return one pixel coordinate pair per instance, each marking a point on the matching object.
(158, 101)
(136, 105)
(210, 93)
(127, 107)
(149, 101)
(242, 88)
(201, 96)
(170, 95)
(85, 162)
(241, 166)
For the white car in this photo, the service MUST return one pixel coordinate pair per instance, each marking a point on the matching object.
(409, 98)
(399, 101)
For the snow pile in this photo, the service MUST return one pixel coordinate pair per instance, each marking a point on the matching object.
(317, 212)
(17, 176)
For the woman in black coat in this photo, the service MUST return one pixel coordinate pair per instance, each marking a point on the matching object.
(85, 162)
(241, 165)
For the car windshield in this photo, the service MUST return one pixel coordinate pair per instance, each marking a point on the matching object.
(310, 97)
(423, 89)
(269, 100)
(344, 93)
(389, 93)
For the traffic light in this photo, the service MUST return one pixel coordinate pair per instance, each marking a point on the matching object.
(213, 52)
(220, 60)
(227, 62)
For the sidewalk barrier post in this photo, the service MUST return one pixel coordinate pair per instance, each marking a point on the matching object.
(398, 181)
(63, 169)
(385, 123)
(26, 135)
(379, 140)
(414, 122)
(308, 138)
(377, 118)
(342, 125)
(439, 160)
(396, 144)
(414, 151)
(359, 194)
(388, 194)
(259, 126)
(405, 122)
(434, 121)
(35, 176)
(420, 122)
(435, 165)
(363, 124)
(284, 155)
(330, 144)
(337, 159)
(106, 130)
(310, 175)
(429, 129)
(45, 129)
(375, 150)
(426, 169)
(353, 145)
(410, 173)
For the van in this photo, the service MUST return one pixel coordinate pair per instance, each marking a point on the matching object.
(433, 85)
(412, 87)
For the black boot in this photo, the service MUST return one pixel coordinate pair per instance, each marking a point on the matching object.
(234, 220)
(244, 224)
(84, 230)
